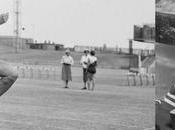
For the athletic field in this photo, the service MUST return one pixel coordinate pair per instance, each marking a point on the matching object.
(46, 105)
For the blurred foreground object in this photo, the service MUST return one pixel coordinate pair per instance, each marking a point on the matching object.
(165, 111)
(8, 76)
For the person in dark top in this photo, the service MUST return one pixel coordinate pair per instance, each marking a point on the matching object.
(92, 64)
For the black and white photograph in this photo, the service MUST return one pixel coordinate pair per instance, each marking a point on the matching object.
(85, 64)
(165, 69)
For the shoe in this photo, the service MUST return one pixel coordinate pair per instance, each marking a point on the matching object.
(84, 88)
(66, 87)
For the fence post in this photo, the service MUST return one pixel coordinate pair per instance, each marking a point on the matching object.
(23, 73)
(134, 79)
(54, 73)
(153, 78)
(47, 73)
(147, 79)
(31, 72)
(43, 71)
(128, 79)
(141, 79)
(39, 74)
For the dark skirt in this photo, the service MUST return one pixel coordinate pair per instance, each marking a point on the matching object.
(85, 75)
(66, 72)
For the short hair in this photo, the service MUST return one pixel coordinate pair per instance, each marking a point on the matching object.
(92, 53)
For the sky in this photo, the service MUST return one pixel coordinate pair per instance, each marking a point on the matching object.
(79, 22)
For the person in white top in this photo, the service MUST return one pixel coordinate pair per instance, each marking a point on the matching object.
(84, 63)
(67, 61)
(92, 64)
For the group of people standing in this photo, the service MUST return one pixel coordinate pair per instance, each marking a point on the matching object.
(88, 62)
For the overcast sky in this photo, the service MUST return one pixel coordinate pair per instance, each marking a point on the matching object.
(86, 22)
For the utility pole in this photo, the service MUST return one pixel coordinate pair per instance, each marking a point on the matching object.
(17, 26)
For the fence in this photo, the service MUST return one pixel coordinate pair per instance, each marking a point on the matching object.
(54, 73)
(135, 79)
(38, 72)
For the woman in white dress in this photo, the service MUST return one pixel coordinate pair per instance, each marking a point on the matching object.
(67, 61)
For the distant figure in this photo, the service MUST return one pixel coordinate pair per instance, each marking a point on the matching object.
(84, 63)
(92, 63)
(66, 62)
(8, 77)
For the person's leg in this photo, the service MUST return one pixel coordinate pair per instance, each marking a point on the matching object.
(66, 84)
(8, 77)
(84, 78)
(84, 85)
(93, 84)
(88, 80)
(88, 84)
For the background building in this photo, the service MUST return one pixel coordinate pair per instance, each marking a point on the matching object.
(11, 41)
(144, 33)
(28, 43)
(143, 47)
(165, 22)
(45, 46)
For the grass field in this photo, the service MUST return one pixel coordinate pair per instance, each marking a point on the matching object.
(43, 57)
(45, 105)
